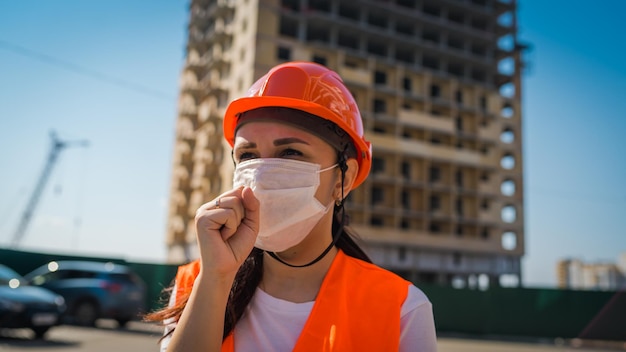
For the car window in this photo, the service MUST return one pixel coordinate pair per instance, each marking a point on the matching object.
(46, 277)
(7, 275)
(79, 274)
(119, 277)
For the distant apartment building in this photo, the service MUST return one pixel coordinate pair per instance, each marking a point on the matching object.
(578, 275)
(439, 86)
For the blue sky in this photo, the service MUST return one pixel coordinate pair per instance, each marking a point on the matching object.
(108, 71)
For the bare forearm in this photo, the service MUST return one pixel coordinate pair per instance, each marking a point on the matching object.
(201, 325)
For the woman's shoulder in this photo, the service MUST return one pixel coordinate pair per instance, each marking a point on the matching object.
(371, 274)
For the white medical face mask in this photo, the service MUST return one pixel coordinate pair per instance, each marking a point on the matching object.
(286, 190)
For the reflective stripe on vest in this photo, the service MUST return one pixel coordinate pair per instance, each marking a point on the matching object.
(357, 309)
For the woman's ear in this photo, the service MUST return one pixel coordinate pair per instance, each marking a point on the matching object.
(349, 178)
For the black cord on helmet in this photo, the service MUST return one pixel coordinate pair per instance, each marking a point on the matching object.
(342, 159)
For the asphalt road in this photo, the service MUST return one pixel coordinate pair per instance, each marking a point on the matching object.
(143, 337)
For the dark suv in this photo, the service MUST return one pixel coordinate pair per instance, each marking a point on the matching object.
(93, 290)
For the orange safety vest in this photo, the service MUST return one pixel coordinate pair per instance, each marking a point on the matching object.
(357, 308)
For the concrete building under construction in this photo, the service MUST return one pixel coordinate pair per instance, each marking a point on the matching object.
(438, 83)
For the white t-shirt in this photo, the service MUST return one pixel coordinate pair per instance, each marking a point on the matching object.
(272, 324)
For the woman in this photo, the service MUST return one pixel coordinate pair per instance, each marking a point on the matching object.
(278, 269)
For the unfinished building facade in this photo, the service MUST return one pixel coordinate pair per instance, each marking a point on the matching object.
(438, 83)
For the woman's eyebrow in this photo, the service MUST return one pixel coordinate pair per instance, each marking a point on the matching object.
(290, 140)
(246, 145)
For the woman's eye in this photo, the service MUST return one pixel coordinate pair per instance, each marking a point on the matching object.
(245, 156)
(290, 152)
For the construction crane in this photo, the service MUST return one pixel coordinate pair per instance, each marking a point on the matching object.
(57, 146)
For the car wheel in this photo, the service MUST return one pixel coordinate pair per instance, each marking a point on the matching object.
(122, 322)
(40, 331)
(86, 313)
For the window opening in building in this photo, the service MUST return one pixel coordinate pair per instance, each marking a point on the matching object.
(293, 5)
(378, 165)
(320, 59)
(405, 28)
(509, 280)
(376, 221)
(456, 69)
(483, 103)
(288, 27)
(434, 227)
(380, 106)
(377, 48)
(507, 111)
(406, 3)
(377, 20)
(507, 162)
(401, 253)
(479, 23)
(283, 53)
(478, 50)
(406, 200)
(377, 195)
(483, 282)
(507, 136)
(319, 5)
(456, 43)
(456, 17)
(406, 84)
(348, 41)
(404, 55)
(458, 177)
(458, 96)
(507, 90)
(435, 203)
(506, 43)
(506, 19)
(457, 282)
(430, 62)
(406, 170)
(509, 240)
(349, 12)
(508, 214)
(459, 207)
(435, 91)
(508, 187)
(379, 129)
(484, 233)
(318, 34)
(432, 10)
(459, 123)
(506, 66)
(456, 258)
(380, 77)
(479, 75)
(434, 174)
(459, 231)
(430, 35)
(484, 204)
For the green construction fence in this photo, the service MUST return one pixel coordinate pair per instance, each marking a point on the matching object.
(521, 312)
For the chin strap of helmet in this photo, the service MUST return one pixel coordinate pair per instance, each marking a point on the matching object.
(343, 166)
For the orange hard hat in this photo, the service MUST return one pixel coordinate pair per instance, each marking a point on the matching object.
(311, 88)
